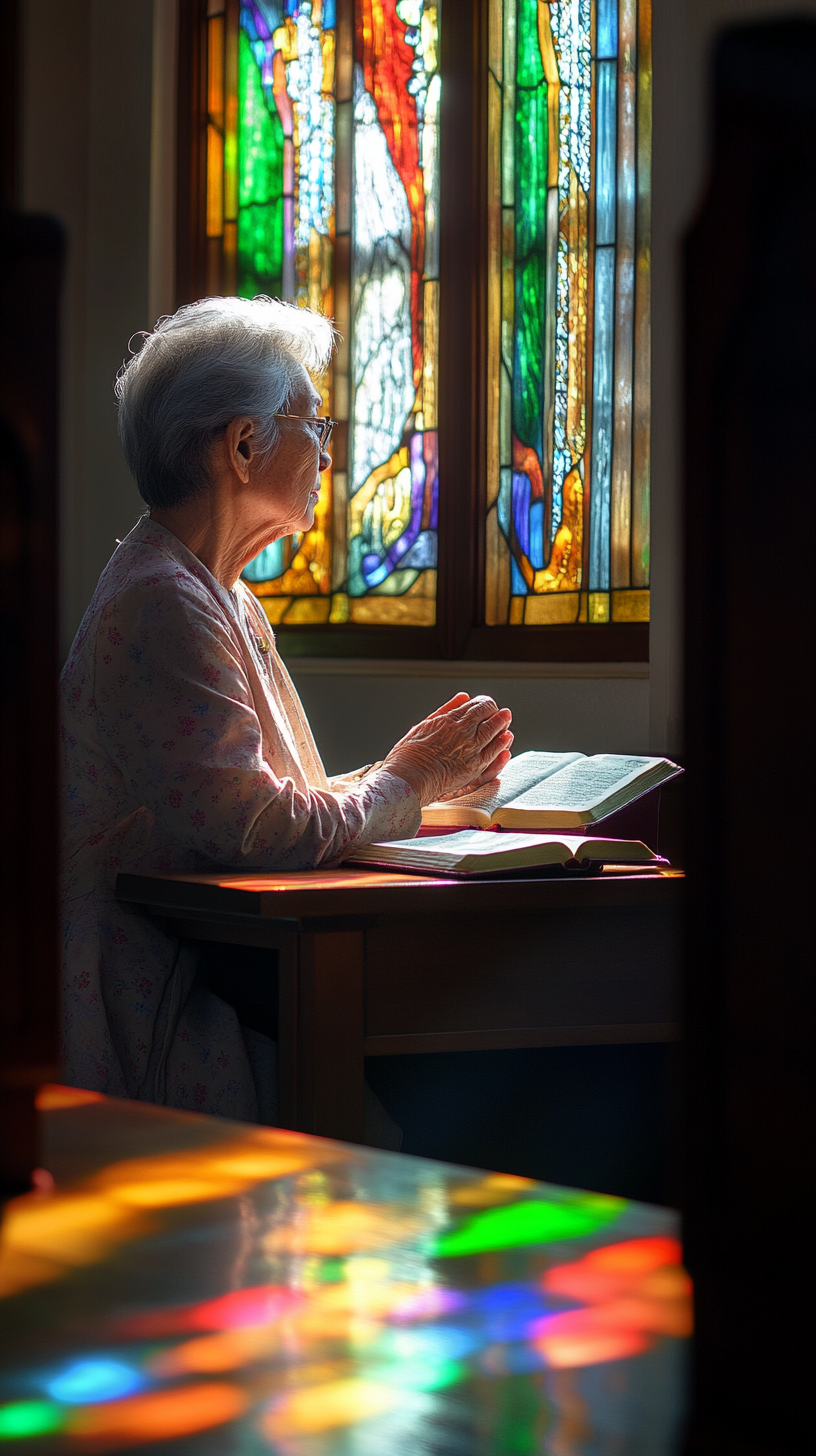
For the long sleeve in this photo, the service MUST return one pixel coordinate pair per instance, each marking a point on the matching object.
(341, 782)
(184, 744)
(176, 712)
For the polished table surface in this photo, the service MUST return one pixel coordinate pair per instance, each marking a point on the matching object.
(371, 963)
(315, 895)
(195, 1286)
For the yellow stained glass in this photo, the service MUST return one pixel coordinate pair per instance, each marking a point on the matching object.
(630, 606)
(215, 69)
(415, 608)
(599, 607)
(555, 610)
(308, 609)
(275, 608)
(215, 182)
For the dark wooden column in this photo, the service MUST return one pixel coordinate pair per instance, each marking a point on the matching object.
(751, 698)
(30, 271)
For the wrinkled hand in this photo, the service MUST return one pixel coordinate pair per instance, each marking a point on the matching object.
(463, 745)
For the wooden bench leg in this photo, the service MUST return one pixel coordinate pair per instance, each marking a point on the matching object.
(330, 1066)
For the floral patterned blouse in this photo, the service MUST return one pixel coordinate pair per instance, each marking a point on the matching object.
(184, 746)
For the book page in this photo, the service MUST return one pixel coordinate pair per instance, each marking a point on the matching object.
(518, 776)
(464, 842)
(584, 784)
(474, 851)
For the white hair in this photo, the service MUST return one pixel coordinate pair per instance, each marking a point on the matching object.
(200, 368)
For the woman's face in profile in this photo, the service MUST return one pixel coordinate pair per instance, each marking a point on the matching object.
(290, 479)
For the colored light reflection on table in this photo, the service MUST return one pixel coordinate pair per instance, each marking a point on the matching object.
(93, 1380)
(298, 1296)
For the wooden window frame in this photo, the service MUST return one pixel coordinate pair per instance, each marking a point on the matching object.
(460, 633)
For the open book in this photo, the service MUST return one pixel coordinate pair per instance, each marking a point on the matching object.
(555, 791)
(475, 853)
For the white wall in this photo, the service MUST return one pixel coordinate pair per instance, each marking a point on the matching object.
(98, 148)
(86, 152)
(357, 716)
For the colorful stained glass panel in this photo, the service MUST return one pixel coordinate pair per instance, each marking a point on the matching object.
(393, 443)
(335, 143)
(568, 185)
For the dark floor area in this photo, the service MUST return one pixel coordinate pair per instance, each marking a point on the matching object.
(599, 1117)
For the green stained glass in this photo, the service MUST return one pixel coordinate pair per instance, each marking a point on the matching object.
(528, 377)
(529, 70)
(260, 182)
(260, 253)
(530, 231)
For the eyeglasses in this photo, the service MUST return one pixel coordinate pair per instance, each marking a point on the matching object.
(323, 423)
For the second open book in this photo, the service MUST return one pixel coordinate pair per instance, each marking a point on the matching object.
(555, 791)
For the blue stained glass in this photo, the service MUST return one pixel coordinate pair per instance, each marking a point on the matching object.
(374, 571)
(536, 552)
(248, 24)
(521, 510)
(504, 500)
(423, 551)
(355, 566)
(605, 167)
(518, 585)
(329, 15)
(602, 419)
(272, 12)
(430, 446)
(606, 35)
(268, 564)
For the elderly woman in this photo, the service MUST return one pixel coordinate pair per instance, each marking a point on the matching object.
(185, 744)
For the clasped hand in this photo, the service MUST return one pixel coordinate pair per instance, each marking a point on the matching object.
(459, 748)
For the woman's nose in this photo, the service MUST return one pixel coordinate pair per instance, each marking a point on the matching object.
(325, 460)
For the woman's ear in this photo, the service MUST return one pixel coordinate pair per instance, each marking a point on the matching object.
(238, 441)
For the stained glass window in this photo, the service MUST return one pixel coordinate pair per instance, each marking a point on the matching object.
(322, 189)
(569, 153)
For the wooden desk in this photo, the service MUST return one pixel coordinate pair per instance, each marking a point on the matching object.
(373, 964)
